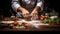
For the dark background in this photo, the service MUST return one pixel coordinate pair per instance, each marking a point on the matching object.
(53, 4)
(5, 6)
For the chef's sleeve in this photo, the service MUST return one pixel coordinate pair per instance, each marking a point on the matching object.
(39, 3)
(15, 5)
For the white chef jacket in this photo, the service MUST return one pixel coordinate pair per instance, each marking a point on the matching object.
(16, 5)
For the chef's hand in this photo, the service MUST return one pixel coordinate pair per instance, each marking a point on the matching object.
(34, 13)
(23, 10)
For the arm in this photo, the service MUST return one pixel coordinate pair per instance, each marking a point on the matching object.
(17, 7)
(38, 7)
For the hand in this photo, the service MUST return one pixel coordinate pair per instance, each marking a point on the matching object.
(25, 12)
(34, 13)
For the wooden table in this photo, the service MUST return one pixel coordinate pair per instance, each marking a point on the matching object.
(42, 28)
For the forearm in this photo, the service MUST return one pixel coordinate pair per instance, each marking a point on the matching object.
(17, 7)
(37, 8)
(39, 5)
(21, 9)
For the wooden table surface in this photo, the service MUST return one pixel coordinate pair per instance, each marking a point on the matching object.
(42, 28)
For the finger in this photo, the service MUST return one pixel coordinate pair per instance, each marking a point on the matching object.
(31, 14)
(24, 15)
(27, 14)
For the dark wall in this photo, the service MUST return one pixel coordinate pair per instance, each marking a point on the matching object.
(55, 4)
(5, 7)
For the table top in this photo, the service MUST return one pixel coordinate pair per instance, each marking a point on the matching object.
(41, 28)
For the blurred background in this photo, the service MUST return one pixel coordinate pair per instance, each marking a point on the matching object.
(49, 6)
(5, 6)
